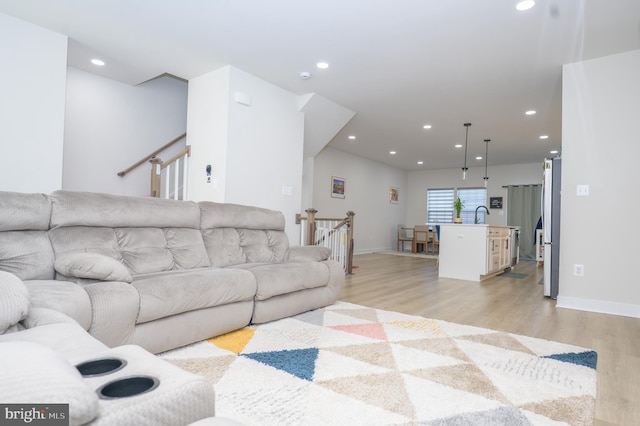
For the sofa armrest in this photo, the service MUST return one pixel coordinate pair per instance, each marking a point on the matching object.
(66, 297)
(115, 311)
(14, 303)
(308, 254)
(92, 266)
(37, 317)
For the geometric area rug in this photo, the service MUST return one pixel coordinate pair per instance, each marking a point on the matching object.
(347, 364)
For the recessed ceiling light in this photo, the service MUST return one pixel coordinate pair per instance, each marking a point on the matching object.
(458, 146)
(530, 112)
(352, 137)
(392, 152)
(420, 162)
(525, 5)
(478, 158)
(322, 65)
(97, 62)
(553, 152)
(426, 126)
(544, 137)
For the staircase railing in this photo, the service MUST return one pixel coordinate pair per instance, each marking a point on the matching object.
(335, 233)
(168, 178)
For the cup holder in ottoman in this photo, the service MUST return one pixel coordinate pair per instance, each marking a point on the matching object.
(128, 386)
(100, 367)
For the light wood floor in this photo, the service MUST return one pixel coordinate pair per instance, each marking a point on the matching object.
(411, 285)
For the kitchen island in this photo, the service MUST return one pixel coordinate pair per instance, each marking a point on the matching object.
(476, 252)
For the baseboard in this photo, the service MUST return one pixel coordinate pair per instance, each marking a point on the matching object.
(600, 306)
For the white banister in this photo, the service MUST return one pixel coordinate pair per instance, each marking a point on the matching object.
(337, 234)
(173, 180)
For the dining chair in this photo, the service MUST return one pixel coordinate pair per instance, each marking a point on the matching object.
(405, 235)
(435, 239)
(420, 238)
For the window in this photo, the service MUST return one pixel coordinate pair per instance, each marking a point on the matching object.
(440, 204)
(472, 198)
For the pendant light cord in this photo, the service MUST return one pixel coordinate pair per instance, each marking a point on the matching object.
(466, 144)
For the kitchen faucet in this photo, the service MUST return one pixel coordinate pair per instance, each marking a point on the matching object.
(480, 207)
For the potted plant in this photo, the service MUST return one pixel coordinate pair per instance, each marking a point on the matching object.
(458, 205)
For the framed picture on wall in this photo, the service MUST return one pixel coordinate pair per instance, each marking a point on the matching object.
(393, 195)
(495, 202)
(337, 187)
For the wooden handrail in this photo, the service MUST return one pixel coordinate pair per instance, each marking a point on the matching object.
(311, 231)
(186, 151)
(153, 154)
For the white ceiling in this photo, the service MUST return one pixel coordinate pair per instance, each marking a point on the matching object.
(398, 64)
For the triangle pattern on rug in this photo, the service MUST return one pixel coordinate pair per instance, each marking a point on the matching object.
(422, 325)
(588, 358)
(464, 377)
(363, 314)
(234, 341)
(211, 368)
(442, 346)
(379, 354)
(572, 410)
(394, 397)
(374, 330)
(500, 340)
(298, 362)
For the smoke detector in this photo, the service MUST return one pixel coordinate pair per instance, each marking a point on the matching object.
(305, 75)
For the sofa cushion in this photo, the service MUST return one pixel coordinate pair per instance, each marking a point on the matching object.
(14, 303)
(83, 239)
(147, 250)
(92, 266)
(276, 279)
(230, 246)
(35, 374)
(26, 254)
(223, 247)
(24, 212)
(141, 250)
(227, 215)
(171, 293)
(104, 210)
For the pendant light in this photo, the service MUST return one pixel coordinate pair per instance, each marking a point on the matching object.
(486, 161)
(466, 142)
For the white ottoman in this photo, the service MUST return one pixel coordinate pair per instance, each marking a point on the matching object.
(179, 398)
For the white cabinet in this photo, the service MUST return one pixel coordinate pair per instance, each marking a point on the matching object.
(498, 249)
(473, 252)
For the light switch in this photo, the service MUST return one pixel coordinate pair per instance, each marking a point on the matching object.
(287, 190)
(582, 190)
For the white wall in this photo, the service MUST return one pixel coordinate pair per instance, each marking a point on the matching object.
(32, 87)
(111, 125)
(266, 141)
(207, 130)
(366, 194)
(600, 148)
(499, 176)
(255, 150)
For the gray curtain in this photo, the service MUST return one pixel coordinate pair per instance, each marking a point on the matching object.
(524, 210)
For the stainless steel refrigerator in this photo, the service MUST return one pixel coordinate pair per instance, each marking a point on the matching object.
(551, 224)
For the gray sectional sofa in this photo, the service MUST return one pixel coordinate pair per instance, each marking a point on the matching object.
(153, 273)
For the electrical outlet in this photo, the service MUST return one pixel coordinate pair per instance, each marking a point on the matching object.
(582, 190)
(578, 270)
